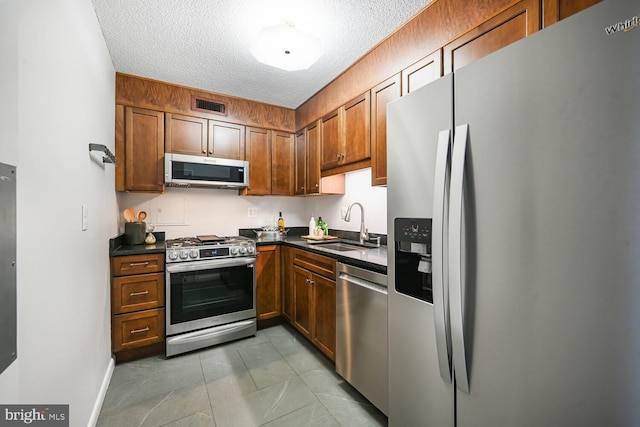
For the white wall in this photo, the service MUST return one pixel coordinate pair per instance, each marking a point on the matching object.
(194, 211)
(66, 93)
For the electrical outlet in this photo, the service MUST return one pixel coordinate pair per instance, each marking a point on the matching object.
(343, 212)
(253, 212)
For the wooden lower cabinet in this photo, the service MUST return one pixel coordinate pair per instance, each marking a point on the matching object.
(137, 305)
(286, 257)
(268, 299)
(314, 299)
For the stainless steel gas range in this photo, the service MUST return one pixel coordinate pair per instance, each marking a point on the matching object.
(211, 291)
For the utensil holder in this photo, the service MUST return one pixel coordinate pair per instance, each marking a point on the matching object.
(134, 232)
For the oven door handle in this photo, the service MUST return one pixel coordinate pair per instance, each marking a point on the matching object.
(205, 265)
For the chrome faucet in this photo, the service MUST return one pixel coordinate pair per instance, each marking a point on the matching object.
(364, 235)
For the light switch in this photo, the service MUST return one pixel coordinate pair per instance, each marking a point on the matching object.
(253, 212)
(85, 222)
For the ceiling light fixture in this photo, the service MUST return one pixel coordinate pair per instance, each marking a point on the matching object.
(284, 46)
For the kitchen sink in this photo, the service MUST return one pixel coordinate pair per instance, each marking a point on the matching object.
(342, 247)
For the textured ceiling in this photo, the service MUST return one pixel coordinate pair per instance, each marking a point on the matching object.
(205, 43)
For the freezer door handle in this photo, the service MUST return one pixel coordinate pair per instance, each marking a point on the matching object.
(439, 277)
(455, 257)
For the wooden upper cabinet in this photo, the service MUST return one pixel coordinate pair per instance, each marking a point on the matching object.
(511, 25)
(345, 133)
(144, 150)
(226, 140)
(258, 154)
(381, 95)
(357, 129)
(282, 163)
(422, 72)
(186, 135)
(300, 168)
(331, 139)
(557, 10)
(313, 159)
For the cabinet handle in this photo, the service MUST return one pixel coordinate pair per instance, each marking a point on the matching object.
(137, 331)
(135, 294)
(317, 185)
(138, 264)
(301, 188)
(338, 156)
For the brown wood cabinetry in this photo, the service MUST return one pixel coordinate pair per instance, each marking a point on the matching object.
(345, 134)
(137, 305)
(313, 159)
(258, 154)
(286, 267)
(201, 137)
(271, 159)
(511, 25)
(300, 168)
(140, 148)
(282, 163)
(268, 286)
(422, 72)
(314, 299)
(556, 10)
(381, 95)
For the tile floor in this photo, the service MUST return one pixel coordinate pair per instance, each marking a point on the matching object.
(276, 378)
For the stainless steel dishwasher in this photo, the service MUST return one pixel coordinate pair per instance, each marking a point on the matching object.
(361, 332)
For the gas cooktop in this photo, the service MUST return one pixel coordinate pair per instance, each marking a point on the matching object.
(210, 246)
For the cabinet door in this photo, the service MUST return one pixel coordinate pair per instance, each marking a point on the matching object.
(556, 10)
(324, 331)
(137, 292)
(381, 95)
(302, 293)
(513, 24)
(268, 297)
(422, 72)
(287, 282)
(313, 159)
(331, 140)
(259, 157)
(226, 140)
(144, 150)
(356, 145)
(300, 169)
(185, 135)
(282, 163)
(138, 329)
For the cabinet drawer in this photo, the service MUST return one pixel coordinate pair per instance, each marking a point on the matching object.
(319, 264)
(138, 329)
(138, 292)
(137, 264)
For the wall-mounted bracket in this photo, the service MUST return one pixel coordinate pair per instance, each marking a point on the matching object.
(110, 157)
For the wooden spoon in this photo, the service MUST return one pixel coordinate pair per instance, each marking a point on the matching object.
(141, 216)
(129, 215)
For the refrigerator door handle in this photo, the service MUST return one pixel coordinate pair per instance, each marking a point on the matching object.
(440, 293)
(455, 257)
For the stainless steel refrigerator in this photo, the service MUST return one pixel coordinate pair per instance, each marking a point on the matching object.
(514, 234)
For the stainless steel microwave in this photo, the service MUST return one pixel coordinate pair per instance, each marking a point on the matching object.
(181, 170)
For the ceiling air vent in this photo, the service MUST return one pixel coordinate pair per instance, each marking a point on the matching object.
(208, 106)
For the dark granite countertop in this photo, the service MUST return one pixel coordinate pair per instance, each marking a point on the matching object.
(371, 258)
(119, 247)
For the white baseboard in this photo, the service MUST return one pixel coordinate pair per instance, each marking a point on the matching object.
(103, 391)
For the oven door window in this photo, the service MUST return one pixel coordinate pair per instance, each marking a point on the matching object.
(212, 292)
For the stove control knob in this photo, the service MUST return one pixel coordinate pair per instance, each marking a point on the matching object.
(250, 250)
(243, 250)
(183, 254)
(234, 251)
(193, 253)
(173, 255)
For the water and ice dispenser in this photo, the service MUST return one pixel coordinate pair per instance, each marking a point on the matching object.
(412, 248)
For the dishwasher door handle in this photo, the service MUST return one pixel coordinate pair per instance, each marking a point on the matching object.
(362, 283)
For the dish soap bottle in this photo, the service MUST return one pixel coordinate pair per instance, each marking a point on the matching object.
(312, 225)
(281, 223)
